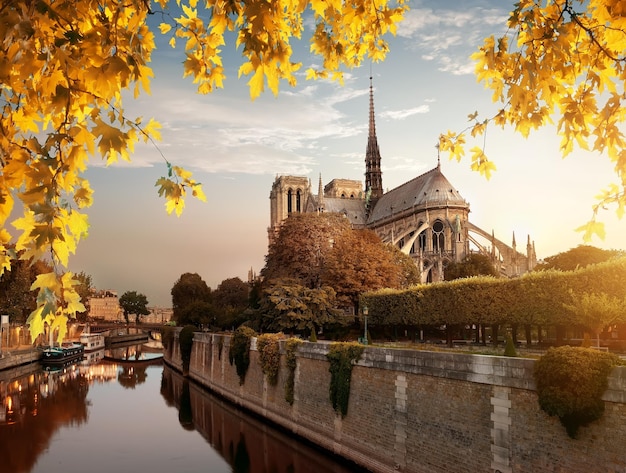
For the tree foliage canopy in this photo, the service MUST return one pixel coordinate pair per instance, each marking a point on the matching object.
(579, 257)
(133, 302)
(323, 250)
(65, 68)
(563, 60)
(474, 264)
(189, 289)
(288, 306)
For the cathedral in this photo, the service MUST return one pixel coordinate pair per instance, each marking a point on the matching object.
(425, 217)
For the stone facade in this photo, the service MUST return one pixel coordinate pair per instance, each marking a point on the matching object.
(421, 412)
(425, 217)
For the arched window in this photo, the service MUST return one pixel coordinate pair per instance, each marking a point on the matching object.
(421, 239)
(438, 236)
(298, 207)
(289, 204)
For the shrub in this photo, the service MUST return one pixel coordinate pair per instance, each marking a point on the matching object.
(291, 347)
(239, 352)
(342, 357)
(268, 346)
(570, 383)
(185, 340)
(167, 337)
(509, 348)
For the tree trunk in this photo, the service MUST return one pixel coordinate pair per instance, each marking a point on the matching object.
(529, 335)
(494, 335)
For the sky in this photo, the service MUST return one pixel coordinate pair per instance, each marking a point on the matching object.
(236, 147)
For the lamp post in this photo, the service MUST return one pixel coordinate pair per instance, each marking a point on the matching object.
(365, 312)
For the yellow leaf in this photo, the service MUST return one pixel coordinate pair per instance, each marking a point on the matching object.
(165, 28)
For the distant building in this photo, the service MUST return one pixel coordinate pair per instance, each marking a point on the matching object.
(425, 217)
(158, 315)
(105, 305)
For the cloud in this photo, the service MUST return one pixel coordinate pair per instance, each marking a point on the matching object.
(449, 37)
(402, 114)
(225, 133)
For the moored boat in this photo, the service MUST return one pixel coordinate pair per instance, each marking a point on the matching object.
(92, 341)
(62, 354)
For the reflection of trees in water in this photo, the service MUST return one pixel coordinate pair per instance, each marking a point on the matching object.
(241, 463)
(247, 444)
(131, 376)
(185, 414)
(41, 413)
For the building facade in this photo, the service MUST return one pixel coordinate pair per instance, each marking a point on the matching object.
(426, 217)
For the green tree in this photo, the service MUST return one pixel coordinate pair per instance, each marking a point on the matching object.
(132, 302)
(66, 67)
(84, 289)
(474, 264)
(597, 311)
(579, 257)
(197, 313)
(290, 307)
(560, 60)
(188, 289)
(230, 300)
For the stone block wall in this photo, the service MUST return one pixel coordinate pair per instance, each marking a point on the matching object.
(417, 411)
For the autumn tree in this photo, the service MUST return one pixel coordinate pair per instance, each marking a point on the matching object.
(65, 68)
(302, 247)
(16, 300)
(473, 264)
(562, 60)
(135, 303)
(189, 289)
(359, 262)
(579, 257)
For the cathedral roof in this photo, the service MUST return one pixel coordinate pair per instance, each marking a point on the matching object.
(354, 209)
(430, 190)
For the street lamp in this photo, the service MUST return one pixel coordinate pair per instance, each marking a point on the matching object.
(365, 312)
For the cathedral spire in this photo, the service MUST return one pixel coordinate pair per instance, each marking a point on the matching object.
(320, 196)
(373, 173)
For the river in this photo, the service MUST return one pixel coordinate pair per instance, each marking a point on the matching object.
(108, 416)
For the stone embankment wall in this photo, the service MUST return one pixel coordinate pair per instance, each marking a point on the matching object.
(422, 412)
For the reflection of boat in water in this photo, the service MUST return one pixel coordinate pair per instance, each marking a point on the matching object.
(63, 354)
(92, 357)
(92, 341)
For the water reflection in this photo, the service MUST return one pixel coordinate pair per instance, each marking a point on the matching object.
(35, 404)
(246, 443)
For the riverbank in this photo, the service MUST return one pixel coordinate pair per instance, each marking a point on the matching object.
(18, 357)
(417, 411)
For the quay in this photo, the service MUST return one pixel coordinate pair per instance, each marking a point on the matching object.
(417, 411)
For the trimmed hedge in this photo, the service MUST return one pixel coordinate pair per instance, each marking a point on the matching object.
(535, 298)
